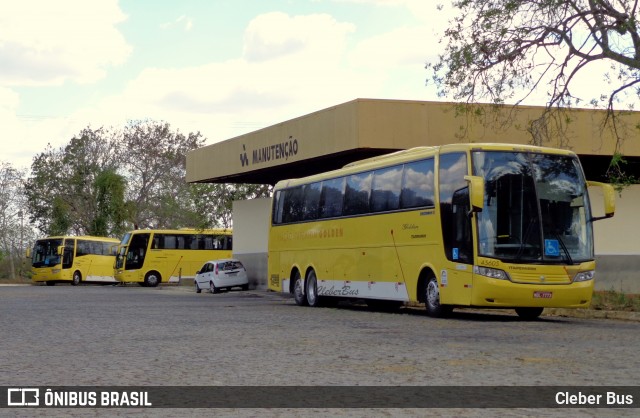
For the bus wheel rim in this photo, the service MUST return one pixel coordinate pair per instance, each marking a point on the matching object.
(433, 295)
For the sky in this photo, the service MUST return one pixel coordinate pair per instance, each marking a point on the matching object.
(223, 68)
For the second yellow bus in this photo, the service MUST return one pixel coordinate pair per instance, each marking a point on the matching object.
(153, 256)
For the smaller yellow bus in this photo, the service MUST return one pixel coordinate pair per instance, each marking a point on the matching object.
(153, 256)
(73, 259)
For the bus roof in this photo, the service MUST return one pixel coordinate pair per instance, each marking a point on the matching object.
(85, 237)
(223, 231)
(411, 154)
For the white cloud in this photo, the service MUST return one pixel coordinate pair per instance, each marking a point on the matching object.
(47, 43)
(290, 66)
(183, 22)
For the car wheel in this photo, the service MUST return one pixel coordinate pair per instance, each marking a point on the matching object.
(312, 289)
(432, 300)
(152, 279)
(212, 288)
(198, 290)
(529, 314)
(298, 292)
(76, 279)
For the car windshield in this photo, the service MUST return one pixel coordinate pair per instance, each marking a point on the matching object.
(536, 208)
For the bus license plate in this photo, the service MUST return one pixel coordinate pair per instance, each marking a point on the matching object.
(543, 295)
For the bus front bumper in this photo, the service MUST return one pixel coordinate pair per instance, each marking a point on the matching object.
(488, 292)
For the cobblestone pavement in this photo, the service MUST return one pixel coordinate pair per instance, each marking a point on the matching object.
(171, 336)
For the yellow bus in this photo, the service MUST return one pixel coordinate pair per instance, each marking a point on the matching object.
(73, 259)
(153, 256)
(465, 225)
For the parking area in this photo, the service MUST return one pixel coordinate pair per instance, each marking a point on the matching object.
(172, 336)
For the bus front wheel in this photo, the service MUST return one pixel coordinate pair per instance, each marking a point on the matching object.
(76, 279)
(152, 279)
(298, 292)
(432, 300)
(529, 314)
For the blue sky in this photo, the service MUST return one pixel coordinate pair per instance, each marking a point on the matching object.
(223, 68)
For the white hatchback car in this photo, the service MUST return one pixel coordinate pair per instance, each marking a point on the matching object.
(216, 275)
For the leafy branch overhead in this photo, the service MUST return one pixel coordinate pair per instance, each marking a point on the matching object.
(504, 50)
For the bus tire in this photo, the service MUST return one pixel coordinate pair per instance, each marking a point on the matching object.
(298, 291)
(432, 300)
(212, 288)
(152, 279)
(311, 284)
(529, 314)
(50, 282)
(76, 279)
(198, 290)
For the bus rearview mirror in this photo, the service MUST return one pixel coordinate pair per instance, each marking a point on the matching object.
(609, 196)
(476, 192)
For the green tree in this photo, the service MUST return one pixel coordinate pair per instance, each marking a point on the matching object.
(154, 163)
(111, 209)
(62, 190)
(213, 202)
(14, 233)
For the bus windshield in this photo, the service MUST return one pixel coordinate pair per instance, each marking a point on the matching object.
(45, 252)
(536, 208)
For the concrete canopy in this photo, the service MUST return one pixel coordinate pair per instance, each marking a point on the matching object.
(362, 128)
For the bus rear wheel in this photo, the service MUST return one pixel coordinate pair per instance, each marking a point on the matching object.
(432, 300)
(312, 289)
(152, 279)
(529, 314)
(298, 292)
(76, 279)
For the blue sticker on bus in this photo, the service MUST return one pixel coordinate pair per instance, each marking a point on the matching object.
(551, 247)
(455, 253)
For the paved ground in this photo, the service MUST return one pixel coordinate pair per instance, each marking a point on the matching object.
(171, 336)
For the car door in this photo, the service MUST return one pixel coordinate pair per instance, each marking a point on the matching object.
(203, 281)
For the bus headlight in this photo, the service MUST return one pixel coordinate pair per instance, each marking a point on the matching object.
(492, 273)
(584, 276)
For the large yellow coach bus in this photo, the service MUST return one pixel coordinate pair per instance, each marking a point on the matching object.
(73, 259)
(153, 256)
(465, 225)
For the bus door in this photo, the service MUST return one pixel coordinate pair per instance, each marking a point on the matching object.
(136, 252)
(456, 273)
(68, 253)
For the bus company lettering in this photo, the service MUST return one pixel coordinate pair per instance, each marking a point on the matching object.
(283, 150)
(332, 291)
(314, 234)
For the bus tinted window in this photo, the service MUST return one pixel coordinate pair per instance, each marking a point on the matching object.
(85, 247)
(385, 192)
(332, 198)
(292, 207)
(311, 201)
(356, 196)
(418, 184)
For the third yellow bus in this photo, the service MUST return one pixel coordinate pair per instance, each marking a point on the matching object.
(465, 225)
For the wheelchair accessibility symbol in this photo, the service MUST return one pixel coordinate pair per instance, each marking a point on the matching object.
(551, 247)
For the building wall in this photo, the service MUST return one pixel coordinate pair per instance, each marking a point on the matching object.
(251, 237)
(617, 242)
